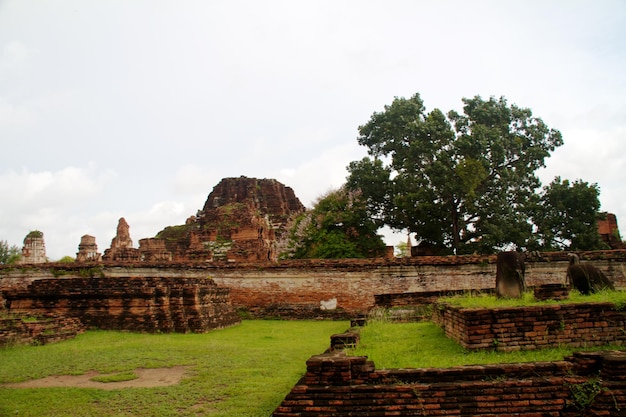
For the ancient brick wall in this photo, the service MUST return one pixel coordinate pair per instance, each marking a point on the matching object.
(339, 385)
(129, 303)
(299, 288)
(529, 328)
(26, 329)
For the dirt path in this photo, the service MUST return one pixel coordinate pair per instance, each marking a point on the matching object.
(147, 378)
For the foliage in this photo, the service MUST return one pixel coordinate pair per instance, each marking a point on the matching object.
(245, 370)
(460, 181)
(585, 393)
(403, 249)
(8, 254)
(174, 232)
(34, 234)
(66, 260)
(338, 226)
(567, 216)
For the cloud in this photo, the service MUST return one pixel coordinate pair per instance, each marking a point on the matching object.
(53, 202)
(316, 176)
(15, 58)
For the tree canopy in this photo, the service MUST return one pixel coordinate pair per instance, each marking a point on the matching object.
(464, 182)
(8, 253)
(567, 216)
(338, 226)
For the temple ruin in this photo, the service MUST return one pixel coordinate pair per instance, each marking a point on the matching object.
(88, 250)
(34, 249)
(122, 245)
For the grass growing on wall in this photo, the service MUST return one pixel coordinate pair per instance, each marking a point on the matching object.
(244, 370)
(491, 301)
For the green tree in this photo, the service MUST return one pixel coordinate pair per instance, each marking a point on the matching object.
(338, 226)
(9, 254)
(567, 216)
(465, 182)
(66, 260)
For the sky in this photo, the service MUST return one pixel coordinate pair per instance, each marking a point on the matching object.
(138, 108)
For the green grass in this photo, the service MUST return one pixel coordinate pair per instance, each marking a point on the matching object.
(116, 377)
(425, 345)
(491, 301)
(244, 370)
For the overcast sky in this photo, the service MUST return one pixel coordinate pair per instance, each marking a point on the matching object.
(137, 109)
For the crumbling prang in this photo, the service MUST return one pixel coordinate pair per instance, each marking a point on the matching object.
(34, 249)
(585, 277)
(510, 270)
(88, 250)
(122, 245)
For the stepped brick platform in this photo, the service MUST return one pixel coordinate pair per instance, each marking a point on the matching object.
(339, 385)
(147, 304)
(26, 329)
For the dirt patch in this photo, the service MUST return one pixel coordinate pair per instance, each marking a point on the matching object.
(146, 378)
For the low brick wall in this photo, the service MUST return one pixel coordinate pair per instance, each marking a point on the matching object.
(146, 304)
(17, 329)
(339, 385)
(527, 328)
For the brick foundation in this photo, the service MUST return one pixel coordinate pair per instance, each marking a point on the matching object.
(527, 328)
(339, 385)
(146, 304)
(25, 329)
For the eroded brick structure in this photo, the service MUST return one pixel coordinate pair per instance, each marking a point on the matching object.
(121, 249)
(609, 231)
(339, 385)
(150, 304)
(34, 249)
(530, 328)
(88, 250)
(243, 219)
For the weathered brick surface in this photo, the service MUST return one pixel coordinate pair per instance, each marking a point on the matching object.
(150, 304)
(527, 328)
(339, 385)
(297, 288)
(25, 329)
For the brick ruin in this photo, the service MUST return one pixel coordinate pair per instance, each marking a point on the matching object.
(37, 330)
(88, 250)
(609, 232)
(338, 385)
(34, 249)
(529, 328)
(121, 249)
(243, 220)
(145, 304)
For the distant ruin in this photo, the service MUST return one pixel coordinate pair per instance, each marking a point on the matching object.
(122, 245)
(88, 250)
(34, 249)
(243, 219)
(609, 232)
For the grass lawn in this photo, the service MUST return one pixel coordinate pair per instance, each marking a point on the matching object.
(244, 370)
(425, 345)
